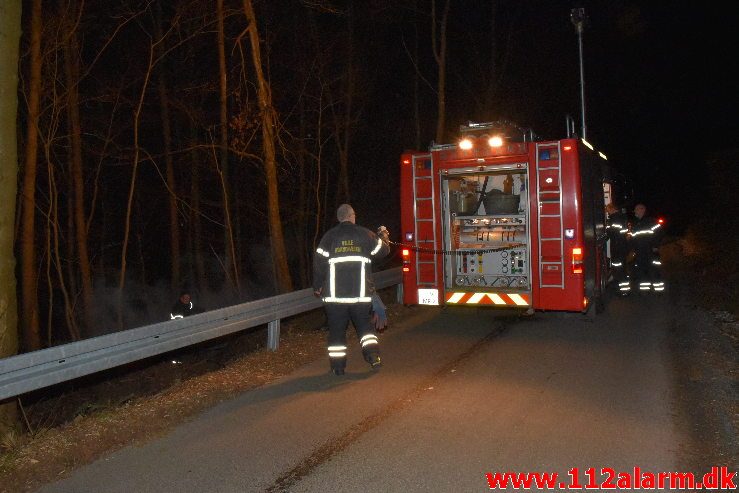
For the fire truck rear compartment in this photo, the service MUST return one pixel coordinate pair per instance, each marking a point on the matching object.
(486, 230)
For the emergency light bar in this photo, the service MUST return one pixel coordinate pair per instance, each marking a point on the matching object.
(472, 126)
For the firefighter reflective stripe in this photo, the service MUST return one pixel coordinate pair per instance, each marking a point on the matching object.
(658, 286)
(321, 251)
(362, 261)
(624, 286)
(655, 227)
(645, 286)
(643, 232)
(175, 317)
(362, 299)
(337, 351)
(377, 248)
(368, 339)
(509, 299)
(616, 264)
(656, 262)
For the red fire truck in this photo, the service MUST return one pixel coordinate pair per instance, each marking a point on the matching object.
(505, 221)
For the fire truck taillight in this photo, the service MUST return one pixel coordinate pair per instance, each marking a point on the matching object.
(495, 141)
(406, 161)
(660, 221)
(406, 260)
(567, 148)
(577, 260)
(465, 144)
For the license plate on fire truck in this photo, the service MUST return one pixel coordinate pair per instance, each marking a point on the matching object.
(428, 296)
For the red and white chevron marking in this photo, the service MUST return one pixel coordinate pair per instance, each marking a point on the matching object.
(499, 299)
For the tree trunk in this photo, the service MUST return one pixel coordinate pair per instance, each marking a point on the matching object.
(10, 33)
(29, 271)
(69, 317)
(72, 74)
(345, 137)
(197, 225)
(132, 188)
(302, 231)
(440, 56)
(282, 270)
(174, 224)
(232, 267)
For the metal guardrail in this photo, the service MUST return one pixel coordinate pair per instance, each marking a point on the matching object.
(38, 369)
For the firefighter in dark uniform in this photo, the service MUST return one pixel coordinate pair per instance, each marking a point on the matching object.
(182, 307)
(617, 229)
(342, 273)
(644, 239)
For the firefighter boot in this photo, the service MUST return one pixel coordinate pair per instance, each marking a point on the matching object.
(373, 358)
(375, 362)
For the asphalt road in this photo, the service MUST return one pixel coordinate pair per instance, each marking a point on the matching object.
(462, 393)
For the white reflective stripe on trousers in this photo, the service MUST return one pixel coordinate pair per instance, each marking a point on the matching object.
(336, 351)
(368, 339)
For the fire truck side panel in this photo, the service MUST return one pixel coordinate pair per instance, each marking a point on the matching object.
(407, 221)
(557, 226)
(594, 173)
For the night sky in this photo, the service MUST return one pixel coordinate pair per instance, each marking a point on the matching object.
(660, 99)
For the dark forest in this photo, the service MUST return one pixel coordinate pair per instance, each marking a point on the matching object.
(169, 145)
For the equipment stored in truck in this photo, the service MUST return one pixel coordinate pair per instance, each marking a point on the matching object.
(505, 220)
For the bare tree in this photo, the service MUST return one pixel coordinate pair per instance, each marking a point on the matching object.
(439, 46)
(55, 256)
(196, 232)
(29, 272)
(174, 225)
(344, 122)
(132, 187)
(282, 270)
(10, 33)
(72, 74)
(231, 265)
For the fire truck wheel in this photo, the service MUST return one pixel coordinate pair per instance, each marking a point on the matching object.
(595, 307)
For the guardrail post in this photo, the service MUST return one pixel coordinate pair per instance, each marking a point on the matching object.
(273, 334)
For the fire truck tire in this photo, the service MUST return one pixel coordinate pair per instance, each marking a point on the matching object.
(595, 307)
(600, 304)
